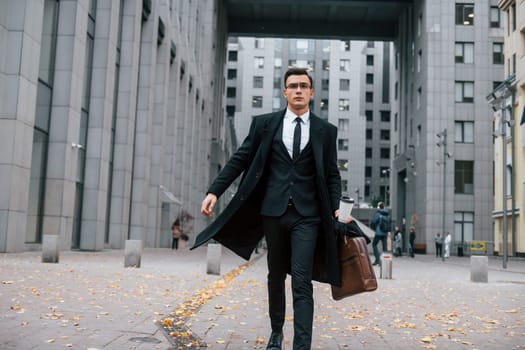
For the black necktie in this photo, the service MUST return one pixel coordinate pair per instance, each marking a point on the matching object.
(297, 138)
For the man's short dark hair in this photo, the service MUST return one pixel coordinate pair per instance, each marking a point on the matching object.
(297, 71)
(381, 205)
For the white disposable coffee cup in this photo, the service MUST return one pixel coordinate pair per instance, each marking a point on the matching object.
(345, 208)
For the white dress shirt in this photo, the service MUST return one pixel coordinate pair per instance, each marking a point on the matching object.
(289, 129)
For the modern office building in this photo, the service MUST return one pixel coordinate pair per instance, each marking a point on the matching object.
(448, 56)
(351, 90)
(106, 118)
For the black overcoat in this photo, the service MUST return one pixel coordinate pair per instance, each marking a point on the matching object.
(238, 227)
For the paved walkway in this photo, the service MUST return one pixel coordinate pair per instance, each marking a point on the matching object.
(90, 301)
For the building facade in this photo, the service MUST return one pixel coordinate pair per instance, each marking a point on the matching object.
(448, 57)
(508, 100)
(351, 92)
(107, 110)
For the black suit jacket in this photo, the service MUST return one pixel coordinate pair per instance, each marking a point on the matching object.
(238, 227)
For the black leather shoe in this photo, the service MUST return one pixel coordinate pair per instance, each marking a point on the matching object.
(275, 341)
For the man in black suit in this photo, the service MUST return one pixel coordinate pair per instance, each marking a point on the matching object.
(289, 192)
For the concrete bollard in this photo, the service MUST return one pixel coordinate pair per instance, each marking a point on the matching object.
(479, 268)
(213, 259)
(50, 251)
(386, 266)
(132, 253)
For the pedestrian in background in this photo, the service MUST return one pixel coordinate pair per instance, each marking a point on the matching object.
(411, 240)
(438, 240)
(380, 222)
(398, 242)
(448, 240)
(176, 232)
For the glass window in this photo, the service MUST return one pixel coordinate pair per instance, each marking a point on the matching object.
(344, 185)
(369, 60)
(369, 134)
(343, 124)
(463, 226)
(232, 56)
(345, 45)
(465, 14)
(258, 62)
(385, 116)
(497, 53)
(232, 74)
(368, 171)
(88, 67)
(36, 187)
(368, 152)
(342, 145)
(344, 65)
(48, 44)
(43, 106)
(369, 78)
(302, 45)
(257, 102)
(464, 176)
(396, 119)
(277, 84)
(325, 84)
(278, 63)
(257, 82)
(464, 52)
(259, 43)
(342, 164)
(495, 17)
(325, 45)
(324, 104)
(464, 91)
(326, 65)
(385, 153)
(344, 84)
(385, 134)
(344, 104)
(231, 92)
(369, 96)
(82, 150)
(464, 132)
(369, 115)
(396, 90)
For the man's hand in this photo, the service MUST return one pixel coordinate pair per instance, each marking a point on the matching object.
(347, 220)
(208, 204)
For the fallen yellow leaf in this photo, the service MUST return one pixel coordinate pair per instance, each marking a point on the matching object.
(426, 339)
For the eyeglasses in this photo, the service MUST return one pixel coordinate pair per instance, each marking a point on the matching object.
(301, 86)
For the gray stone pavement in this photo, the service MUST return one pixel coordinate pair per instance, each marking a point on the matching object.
(90, 301)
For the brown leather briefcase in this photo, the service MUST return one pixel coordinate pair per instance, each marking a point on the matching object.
(357, 273)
